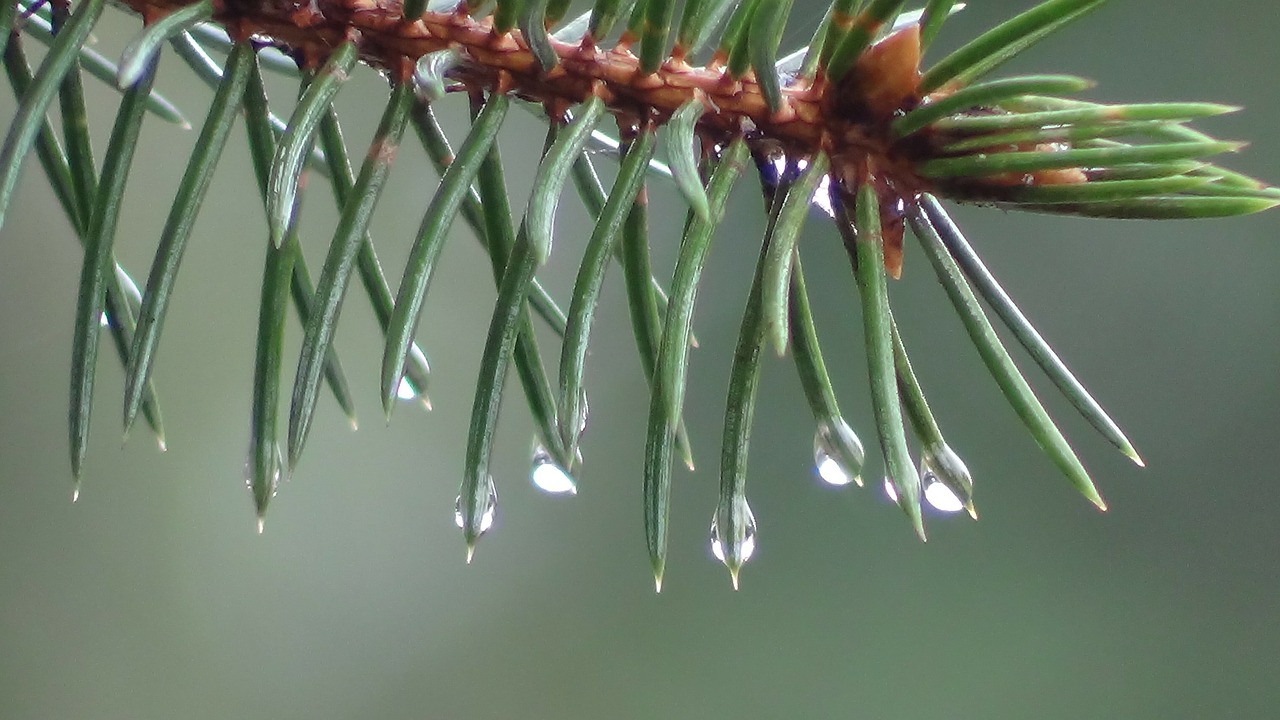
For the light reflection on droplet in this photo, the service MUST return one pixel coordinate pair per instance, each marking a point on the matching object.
(748, 539)
(405, 391)
(104, 320)
(583, 409)
(277, 470)
(890, 490)
(948, 486)
(829, 470)
(549, 477)
(822, 198)
(486, 517)
(941, 497)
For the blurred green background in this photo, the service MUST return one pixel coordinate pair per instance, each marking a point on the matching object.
(154, 598)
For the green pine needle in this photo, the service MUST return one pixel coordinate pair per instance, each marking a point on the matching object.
(930, 223)
(877, 329)
(837, 439)
(417, 371)
(146, 45)
(533, 24)
(177, 228)
(985, 94)
(348, 238)
(29, 117)
(262, 146)
(1002, 42)
(783, 235)
(763, 37)
(680, 141)
(441, 154)
(296, 141)
(554, 171)
(666, 400)
(586, 290)
(1034, 160)
(444, 207)
(99, 267)
(526, 355)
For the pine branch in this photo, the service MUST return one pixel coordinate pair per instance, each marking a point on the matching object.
(852, 123)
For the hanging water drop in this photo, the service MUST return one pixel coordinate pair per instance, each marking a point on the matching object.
(948, 486)
(486, 515)
(103, 319)
(941, 497)
(829, 470)
(582, 410)
(575, 423)
(549, 477)
(405, 391)
(278, 471)
(837, 454)
(890, 490)
(277, 466)
(822, 198)
(747, 546)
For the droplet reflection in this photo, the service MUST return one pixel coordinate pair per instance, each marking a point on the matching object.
(748, 539)
(549, 477)
(277, 470)
(941, 497)
(890, 490)
(486, 517)
(405, 391)
(829, 470)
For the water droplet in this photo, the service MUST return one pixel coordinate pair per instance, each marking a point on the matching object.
(104, 320)
(278, 471)
(829, 470)
(948, 486)
(940, 496)
(895, 209)
(822, 198)
(486, 517)
(582, 410)
(549, 477)
(837, 453)
(277, 468)
(890, 490)
(748, 547)
(405, 391)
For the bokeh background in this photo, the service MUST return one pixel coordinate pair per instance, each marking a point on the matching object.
(153, 597)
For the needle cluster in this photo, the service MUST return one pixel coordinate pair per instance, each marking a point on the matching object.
(855, 123)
